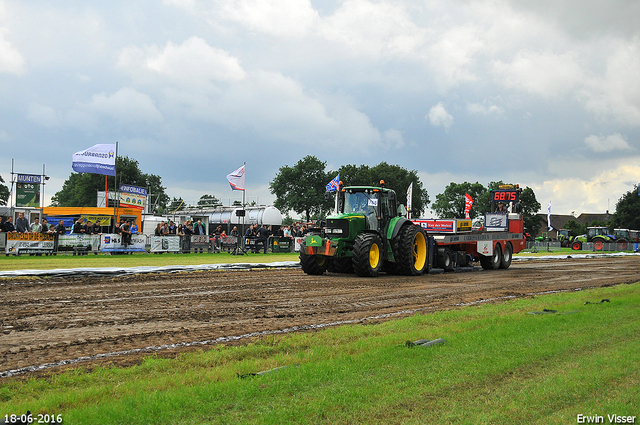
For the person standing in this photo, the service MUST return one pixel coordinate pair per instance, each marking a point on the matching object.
(263, 236)
(126, 233)
(22, 224)
(199, 228)
(60, 229)
(8, 225)
(36, 227)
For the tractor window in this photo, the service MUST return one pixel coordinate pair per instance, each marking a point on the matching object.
(362, 203)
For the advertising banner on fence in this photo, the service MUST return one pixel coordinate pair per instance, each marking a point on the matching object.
(165, 244)
(113, 243)
(200, 242)
(105, 220)
(69, 242)
(30, 243)
(133, 196)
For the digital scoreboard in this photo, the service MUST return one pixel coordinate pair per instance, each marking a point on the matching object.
(508, 195)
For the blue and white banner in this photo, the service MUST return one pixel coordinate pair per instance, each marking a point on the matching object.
(334, 184)
(98, 159)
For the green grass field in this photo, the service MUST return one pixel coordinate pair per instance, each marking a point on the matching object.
(500, 365)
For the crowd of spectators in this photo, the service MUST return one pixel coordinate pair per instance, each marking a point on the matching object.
(256, 235)
(22, 225)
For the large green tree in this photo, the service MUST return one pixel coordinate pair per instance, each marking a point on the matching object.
(451, 202)
(80, 189)
(208, 201)
(4, 192)
(301, 188)
(627, 215)
(394, 176)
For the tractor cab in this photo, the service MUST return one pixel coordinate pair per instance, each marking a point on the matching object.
(377, 205)
(593, 232)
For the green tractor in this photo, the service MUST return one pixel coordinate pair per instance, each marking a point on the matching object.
(623, 237)
(564, 237)
(369, 233)
(599, 235)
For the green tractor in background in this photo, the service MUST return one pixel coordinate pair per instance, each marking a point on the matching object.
(564, 237)
(599, 235)
(369, 233)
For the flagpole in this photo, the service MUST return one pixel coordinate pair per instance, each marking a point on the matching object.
(115, 177)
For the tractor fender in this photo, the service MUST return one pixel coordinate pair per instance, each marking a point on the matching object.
(395, 225)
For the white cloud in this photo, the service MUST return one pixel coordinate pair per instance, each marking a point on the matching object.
(438, 116)
(273, 17)
(11, 61)
(546, 74)
(192, 65)
(126, 105)
(616, 94)
(607, 143)
(597, 194)
(43, 115)
(484, 108)
(394, 139)
(381, 29)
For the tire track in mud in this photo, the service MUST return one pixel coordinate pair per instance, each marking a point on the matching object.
(54, 320)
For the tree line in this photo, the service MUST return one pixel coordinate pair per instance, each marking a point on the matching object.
(301, 188)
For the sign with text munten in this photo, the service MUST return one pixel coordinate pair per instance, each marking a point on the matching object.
(29, 178)
(98, 159)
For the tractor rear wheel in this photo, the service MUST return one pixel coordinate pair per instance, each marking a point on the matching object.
(598, 244)
(367, 255)
(312, 264)
(622, 244)
(413, 251)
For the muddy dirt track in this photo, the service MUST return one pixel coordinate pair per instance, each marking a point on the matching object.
(119, 320)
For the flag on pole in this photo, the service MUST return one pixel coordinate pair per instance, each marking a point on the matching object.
(332, 186)
(549, 217)
(236, 179)
(468, 203)
(409, 199)
(98, 159)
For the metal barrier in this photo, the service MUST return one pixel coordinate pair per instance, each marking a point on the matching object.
(81, 244)
(549, 246)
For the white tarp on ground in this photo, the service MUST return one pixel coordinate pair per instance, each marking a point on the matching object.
(118, 271)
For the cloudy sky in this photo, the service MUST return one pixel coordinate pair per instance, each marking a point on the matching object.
(544, 93)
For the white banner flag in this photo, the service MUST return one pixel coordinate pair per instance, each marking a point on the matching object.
(98, 159)
(236, 179)
(549, 217)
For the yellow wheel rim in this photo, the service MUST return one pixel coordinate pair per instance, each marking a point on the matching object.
(374, 256)
(419, 251)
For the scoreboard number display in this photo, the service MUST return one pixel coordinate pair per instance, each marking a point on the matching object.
(505, 196)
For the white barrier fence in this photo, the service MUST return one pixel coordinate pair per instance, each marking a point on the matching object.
(80, 244)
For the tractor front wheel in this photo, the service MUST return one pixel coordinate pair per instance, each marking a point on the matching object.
(367, 255)
(576, 245)
(312, 264)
